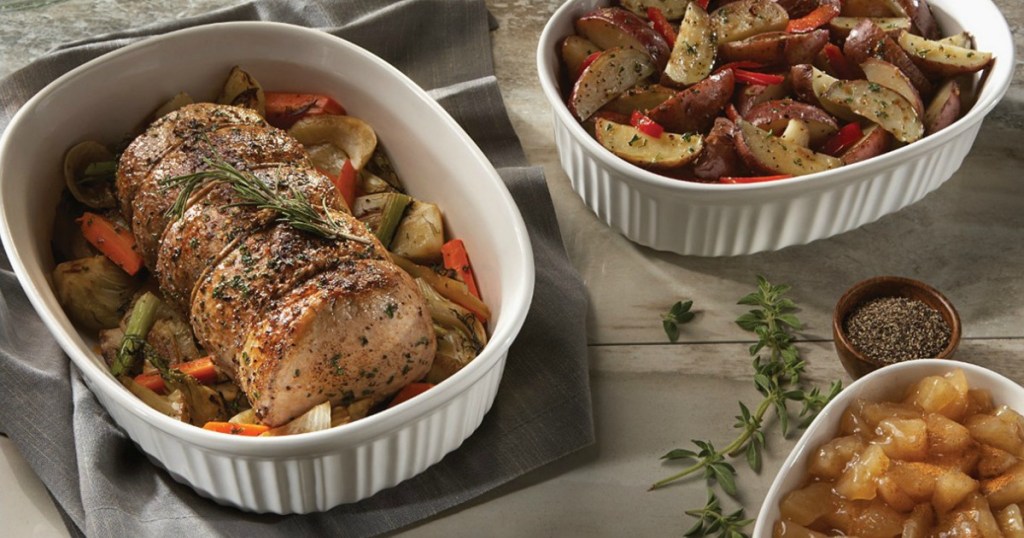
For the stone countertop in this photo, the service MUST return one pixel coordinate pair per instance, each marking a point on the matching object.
(966, 239)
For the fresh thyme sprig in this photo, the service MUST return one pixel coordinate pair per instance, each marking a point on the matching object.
(676, 316)
(777, 376)
(292, 206)
(710, 520)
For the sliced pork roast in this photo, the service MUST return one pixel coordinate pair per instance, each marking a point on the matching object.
(293, 318)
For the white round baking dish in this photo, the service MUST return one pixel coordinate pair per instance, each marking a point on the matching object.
(725, 220)
(882, 384)
(106, 98)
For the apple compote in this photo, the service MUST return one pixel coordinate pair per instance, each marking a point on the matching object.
(944, 460)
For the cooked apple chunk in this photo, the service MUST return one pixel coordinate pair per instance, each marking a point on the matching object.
(670, 150)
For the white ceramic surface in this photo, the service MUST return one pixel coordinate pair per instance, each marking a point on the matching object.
(882, 384)
(725, 220)
(105, 98)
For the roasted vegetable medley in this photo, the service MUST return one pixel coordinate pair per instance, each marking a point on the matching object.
(288, 214)
(758, 90)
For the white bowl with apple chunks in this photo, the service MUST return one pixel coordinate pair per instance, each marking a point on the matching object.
(437, 162)
(682, 111)
(922, 448)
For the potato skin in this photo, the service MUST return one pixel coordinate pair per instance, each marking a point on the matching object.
(772, 115)
(775, 48)
(875, 141)
(617, 27)
(867, 40)
(944, 108)
(694, 109)
(719, 157)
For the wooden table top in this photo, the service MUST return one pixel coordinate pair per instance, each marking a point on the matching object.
(649, 395)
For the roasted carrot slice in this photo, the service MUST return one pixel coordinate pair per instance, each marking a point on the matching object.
(251, 430)
(409, 391)
(286, 108)
(345, 181)
(113, 241)
(457, 259)
(202, 369)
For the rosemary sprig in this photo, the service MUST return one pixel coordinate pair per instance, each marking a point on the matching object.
(676, 316)
(777, 377)
(292, 206)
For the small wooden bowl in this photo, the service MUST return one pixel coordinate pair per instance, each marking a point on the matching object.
(858, 364)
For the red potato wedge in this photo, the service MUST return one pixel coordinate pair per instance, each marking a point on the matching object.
(694, 53)
(890, 76)
(921, 15)
(940, 59)
(719, 157)
(694, 109)
(868, 40)
(642, 98)
(963, 39)
(747, 18)
(670, 150)
(775, 48)
(810, 83)
(874, 142)
(842, 26)
(798, 8)
(616, 27)
(613, 72)
(768, 154)
(754, 94)
(944, 108)
(797, 132)
(574, 49)
(871, 8)
(880, 105)
(774, 116)
(672, 9)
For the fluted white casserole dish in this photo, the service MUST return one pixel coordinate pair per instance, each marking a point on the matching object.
(883, 384)
(726, 220)
(107, 97)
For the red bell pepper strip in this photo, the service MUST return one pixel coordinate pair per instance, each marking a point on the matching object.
(201, 369)
(845, 137)
(409, 391)
(662, 26)
(817, 18)
(115, 242)
(286, 108)
(841, 66)
(761, 79)
(646, 125)
(248, 430)
(457, 259)
(741, 64)
(754, 179)
(587, 61)
(703, 4)
(345, 181)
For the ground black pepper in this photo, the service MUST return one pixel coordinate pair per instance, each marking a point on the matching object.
(894, 329)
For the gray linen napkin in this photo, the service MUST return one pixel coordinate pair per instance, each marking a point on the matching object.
(105, 486)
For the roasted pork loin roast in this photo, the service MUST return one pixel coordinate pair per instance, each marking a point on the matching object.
(293, 318)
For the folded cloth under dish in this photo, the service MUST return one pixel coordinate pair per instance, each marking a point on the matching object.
(104, 486)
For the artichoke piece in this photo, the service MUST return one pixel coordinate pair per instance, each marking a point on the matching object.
(241, 89)
(89, 169)
(316, 419)
(380, 166)
(460, 335)
(370, 183)
(179, 100)
(352, 136)
(93, 291)
(420, 235)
